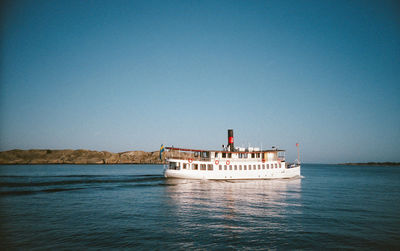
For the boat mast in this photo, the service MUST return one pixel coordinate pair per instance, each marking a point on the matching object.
(298, 153)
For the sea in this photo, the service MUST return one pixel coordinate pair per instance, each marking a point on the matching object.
(94, 207)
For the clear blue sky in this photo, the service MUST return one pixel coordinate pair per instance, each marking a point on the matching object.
(130, 75)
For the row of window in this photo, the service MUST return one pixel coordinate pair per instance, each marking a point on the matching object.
(210, 167)
(250, 167)
(202, 167)
(240, 155)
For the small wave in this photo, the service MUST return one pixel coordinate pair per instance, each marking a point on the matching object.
(147, 185)
(29, 192)
(76, 176)
(93, 180)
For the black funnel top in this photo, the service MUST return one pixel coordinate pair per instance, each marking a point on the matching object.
(230, 140)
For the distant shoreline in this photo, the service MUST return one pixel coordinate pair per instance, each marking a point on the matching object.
(89, 157)
(372, 164)
(77, 157)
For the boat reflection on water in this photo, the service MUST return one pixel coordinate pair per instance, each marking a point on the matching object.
(237, 206)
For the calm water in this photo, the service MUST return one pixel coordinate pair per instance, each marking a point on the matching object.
(133, 206)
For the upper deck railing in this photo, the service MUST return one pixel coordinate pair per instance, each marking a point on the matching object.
(221, 151)
(194, 158)
(237, 156)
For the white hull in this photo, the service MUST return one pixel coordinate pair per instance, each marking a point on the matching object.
(276, 173)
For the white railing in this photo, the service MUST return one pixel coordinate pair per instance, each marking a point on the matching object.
(223, 160)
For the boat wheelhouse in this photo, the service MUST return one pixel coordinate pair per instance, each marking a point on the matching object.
(229, 163)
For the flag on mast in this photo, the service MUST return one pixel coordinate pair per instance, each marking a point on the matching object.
(161, 150)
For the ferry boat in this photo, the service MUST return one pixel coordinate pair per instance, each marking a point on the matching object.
(230, 163)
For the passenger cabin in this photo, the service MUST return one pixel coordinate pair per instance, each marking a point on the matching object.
(181, 158)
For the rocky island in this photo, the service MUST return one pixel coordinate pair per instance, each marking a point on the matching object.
(39, 156)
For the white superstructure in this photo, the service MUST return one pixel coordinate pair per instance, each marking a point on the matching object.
(226, 164)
